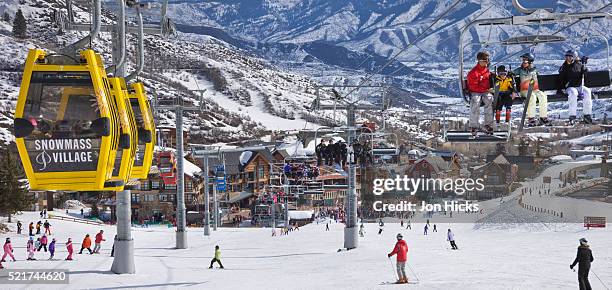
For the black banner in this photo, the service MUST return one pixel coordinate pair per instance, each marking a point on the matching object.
(64, 155)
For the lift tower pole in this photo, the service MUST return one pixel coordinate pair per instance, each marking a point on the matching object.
(350, 205)
(179, 108)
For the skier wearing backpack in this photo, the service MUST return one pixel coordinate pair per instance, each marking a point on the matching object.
(584, 258)
(401, 249)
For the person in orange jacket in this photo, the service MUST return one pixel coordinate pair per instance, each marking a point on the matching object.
(401, 249)
(86, 244)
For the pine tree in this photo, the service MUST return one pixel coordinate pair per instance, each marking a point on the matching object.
(19, 25)
(95, 212)
(6, 17)
(14, 195)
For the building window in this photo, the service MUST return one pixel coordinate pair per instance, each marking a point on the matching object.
(155, 184)
(169, 186)
(162, 197)
(188, 186)
(261, 171)
(135, 198)
(145, 185)
(149, 197)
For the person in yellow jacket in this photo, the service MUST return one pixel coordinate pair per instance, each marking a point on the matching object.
(506, 93)
(217, 258)
(526, 73)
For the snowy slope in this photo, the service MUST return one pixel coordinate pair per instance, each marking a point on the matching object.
(521, 258)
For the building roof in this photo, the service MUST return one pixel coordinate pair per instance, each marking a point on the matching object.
(233, 164)
(437, 162)
(501, 159)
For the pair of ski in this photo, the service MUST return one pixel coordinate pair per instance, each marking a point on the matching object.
(398, 283)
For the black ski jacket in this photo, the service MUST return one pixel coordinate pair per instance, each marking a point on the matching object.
(570, 75)
(584, 257)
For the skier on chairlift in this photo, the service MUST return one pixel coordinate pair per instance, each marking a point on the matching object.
(506, 93)
(571, 79)
(479, 90)
(526, 73)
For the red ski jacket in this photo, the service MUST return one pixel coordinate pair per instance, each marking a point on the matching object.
(99, 238)
(401, 249)
(478, 79)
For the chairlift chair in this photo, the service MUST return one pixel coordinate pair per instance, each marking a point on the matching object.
(166, 162)
(593, 79)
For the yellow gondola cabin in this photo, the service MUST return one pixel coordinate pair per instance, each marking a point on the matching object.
(66, 122)
(146, 131)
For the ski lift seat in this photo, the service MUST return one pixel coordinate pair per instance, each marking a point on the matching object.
(592, 79)
(466, 137)
(385, 151)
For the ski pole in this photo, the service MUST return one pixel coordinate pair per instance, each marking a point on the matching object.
(391, 262)
(413, 273)
(602, 283)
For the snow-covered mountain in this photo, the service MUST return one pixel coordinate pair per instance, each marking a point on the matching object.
(245, 95)
(323, 38)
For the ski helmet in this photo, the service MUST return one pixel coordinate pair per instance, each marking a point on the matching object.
(529, 56)
(501, 68)
(482, 55)
(399, 236)
(583, 241)
(571, 53)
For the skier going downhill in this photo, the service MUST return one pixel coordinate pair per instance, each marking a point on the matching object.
(217, 258)
(401, 249)
(451, 239)
(584, 258)
(8, 250)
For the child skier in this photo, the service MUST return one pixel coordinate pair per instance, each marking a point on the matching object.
(506, 93)
(361, 232)
(381, 225)
(43, 243)
(69, 249)
(99, 239)
(425, 229)
(31, 228)
(217, 258)
(86, 244)
(451, 239)
(8, 250)
(52, 249)
(47, 227)
(38, 225)
(31, 248)
(401, 249)
(479, 90)
(19, 225)
(527, 73)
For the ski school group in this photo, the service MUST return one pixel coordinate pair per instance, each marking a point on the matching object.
(42, 243)
(497, 90)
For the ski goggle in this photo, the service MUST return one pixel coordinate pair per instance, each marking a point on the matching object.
(502, 74)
